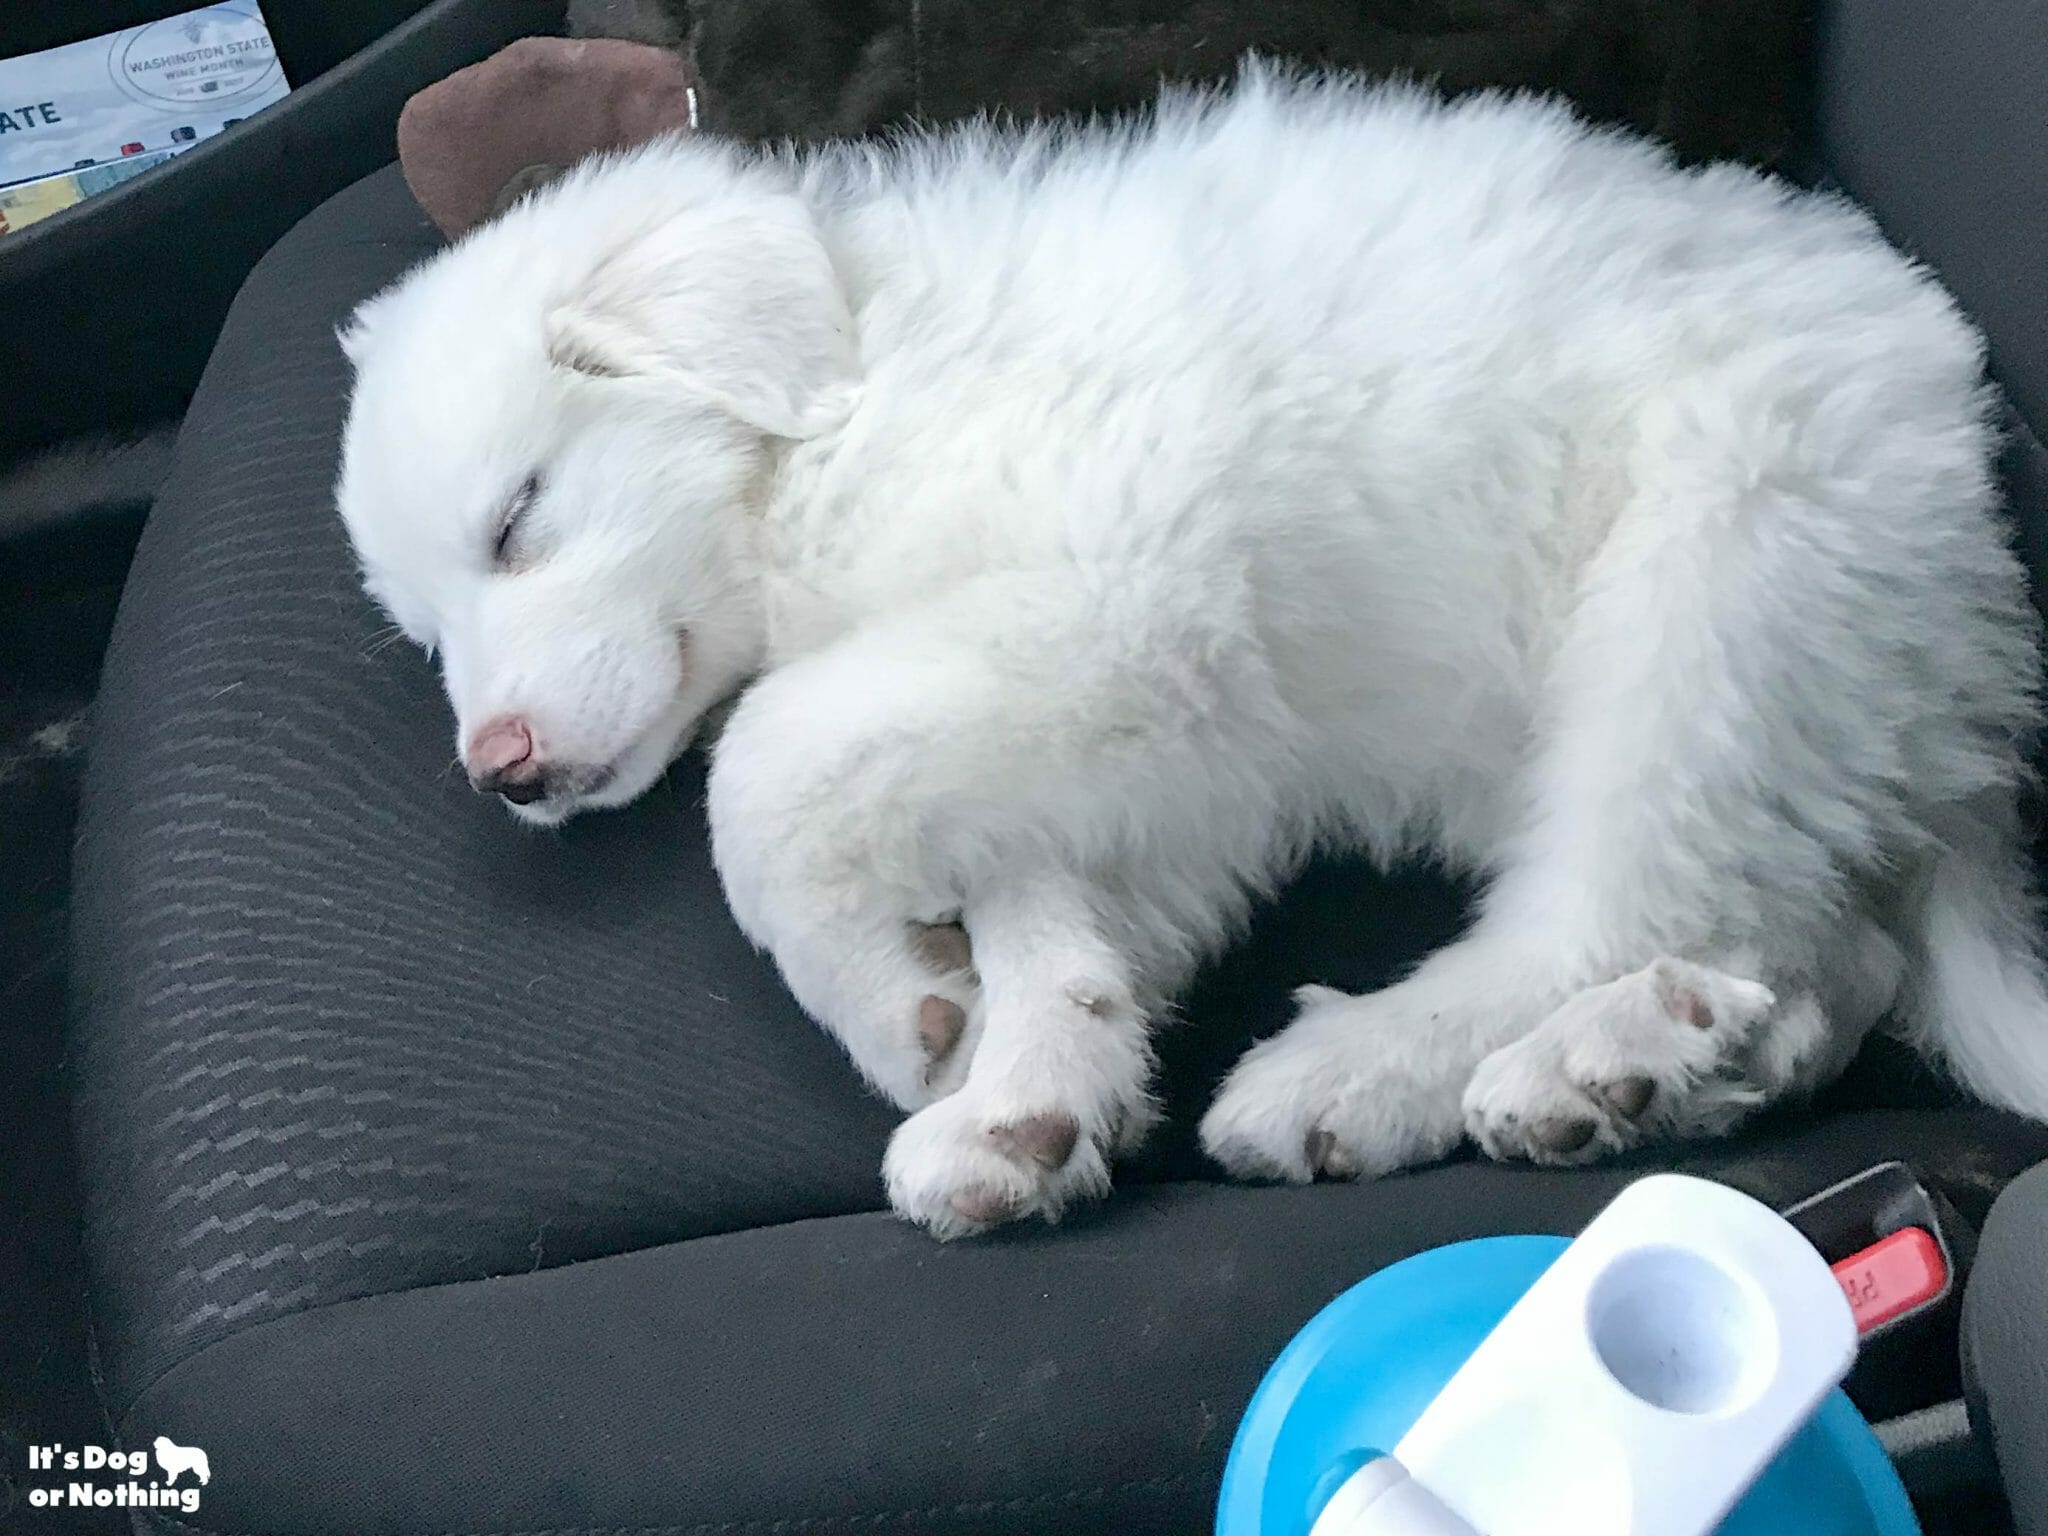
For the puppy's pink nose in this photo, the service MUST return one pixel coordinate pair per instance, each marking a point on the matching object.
(501, 753)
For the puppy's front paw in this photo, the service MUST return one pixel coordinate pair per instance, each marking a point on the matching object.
(1349, 1089)
(963, 1165)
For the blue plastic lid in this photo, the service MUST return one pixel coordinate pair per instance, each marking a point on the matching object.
(1350, 1384)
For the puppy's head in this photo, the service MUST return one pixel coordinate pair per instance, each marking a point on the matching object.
(553, 451)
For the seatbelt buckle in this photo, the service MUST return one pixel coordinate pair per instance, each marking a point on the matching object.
(1900, 1253)
(1893, 1279)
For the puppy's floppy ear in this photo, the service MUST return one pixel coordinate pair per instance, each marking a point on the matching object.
(735, 302)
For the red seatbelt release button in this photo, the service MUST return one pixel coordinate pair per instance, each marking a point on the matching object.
(1895, 1275)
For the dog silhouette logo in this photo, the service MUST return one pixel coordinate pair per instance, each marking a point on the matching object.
(175, 1459)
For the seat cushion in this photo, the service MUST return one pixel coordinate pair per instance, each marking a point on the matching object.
(844, 1375)
(346, 1028)
(370, 1081)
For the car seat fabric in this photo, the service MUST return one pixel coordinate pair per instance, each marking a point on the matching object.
(444, 1177)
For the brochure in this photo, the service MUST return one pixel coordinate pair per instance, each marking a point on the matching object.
(79, 119)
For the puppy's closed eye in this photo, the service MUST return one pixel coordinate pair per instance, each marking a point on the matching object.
(505, 545)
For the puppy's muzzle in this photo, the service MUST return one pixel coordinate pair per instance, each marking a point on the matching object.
(504, 758)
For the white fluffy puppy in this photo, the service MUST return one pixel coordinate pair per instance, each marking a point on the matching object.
(1108, 517)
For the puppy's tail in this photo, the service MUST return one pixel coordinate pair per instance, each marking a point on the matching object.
(1978, 990)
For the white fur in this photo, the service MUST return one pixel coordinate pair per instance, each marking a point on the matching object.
(1112, 516)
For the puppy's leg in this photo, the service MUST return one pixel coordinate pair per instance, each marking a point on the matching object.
(1058, 1081)
(870, 943)
(1361, 1086)
(1721, 745)
(967, 757)
(1676, 1051)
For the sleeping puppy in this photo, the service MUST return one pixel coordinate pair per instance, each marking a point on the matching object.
(1098, 520)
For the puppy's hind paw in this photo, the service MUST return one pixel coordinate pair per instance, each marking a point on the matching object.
(1341, 1093)
(1659, 1053)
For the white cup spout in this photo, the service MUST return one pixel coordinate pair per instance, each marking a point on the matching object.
(1639, 1388)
